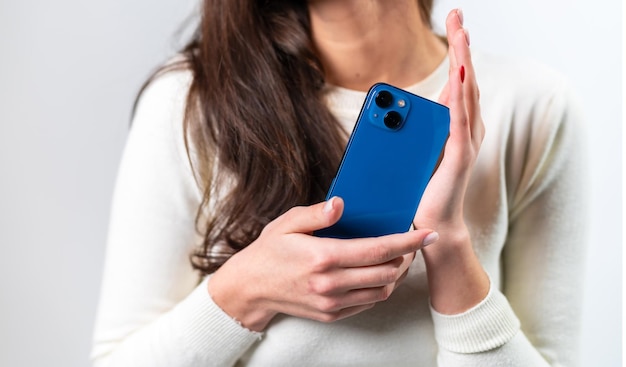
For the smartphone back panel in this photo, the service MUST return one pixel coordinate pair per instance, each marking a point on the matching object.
(390, 157)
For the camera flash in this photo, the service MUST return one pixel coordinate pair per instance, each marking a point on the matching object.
(401, 103)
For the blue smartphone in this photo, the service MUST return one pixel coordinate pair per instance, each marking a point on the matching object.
(390, 157)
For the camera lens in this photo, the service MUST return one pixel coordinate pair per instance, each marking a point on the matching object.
(392, 119)
(384, 99)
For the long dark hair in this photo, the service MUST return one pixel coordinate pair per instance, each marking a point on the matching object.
(257, 130)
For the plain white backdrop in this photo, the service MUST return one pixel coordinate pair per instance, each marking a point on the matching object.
(69, 71)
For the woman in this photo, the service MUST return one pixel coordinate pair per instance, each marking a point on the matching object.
(230, 154)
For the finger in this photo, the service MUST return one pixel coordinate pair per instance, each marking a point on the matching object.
(327, 310)
(401, 279)
(329, 317)
(460, 44)
(351, 311)
(379, 250)
(408, 260)
(454, 22)
(353, 298)
(459, 121)
(307, 219)
(342, 280)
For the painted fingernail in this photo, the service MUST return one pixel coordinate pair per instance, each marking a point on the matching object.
(328, 207)
(467, 37)
(462, 73)
(459, 13)
(431, 238)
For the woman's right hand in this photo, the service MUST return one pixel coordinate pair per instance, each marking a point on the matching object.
(288, 270)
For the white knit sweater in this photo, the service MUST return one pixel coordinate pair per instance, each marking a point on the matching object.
(524, 207)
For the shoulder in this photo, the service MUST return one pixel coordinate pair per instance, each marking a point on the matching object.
(533, 119)
(524, 93)
(156, 138)
(165, 92)
(520, 77)
(159, 112)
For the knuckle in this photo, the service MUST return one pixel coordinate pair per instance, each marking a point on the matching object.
(464, 120)
(392, 275)
(385, 293)
(321, 285)
(380, 253)
(328, 305)
(388, 275)
(292, 213)
(322, 261)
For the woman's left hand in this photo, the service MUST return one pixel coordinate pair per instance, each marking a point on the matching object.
(457, 280)
(442, 203)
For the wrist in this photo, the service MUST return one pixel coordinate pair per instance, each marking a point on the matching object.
(454, 237)
(456, 278)
(239, 303)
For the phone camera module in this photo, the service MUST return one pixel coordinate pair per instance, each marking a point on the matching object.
(392, 119)
(384, 99)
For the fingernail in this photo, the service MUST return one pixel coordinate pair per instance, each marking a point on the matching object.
(459, 13)
(431, 238)
(328, 207)
(467, 37)
(462, 73)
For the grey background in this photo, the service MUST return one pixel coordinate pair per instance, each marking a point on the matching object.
(69, 73)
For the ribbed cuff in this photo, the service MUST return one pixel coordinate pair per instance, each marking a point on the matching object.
(212, 333)
(488, 325)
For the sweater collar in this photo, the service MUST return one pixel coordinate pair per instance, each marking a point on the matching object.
(342, 100)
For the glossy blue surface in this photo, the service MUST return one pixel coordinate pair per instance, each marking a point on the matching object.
(384, 171)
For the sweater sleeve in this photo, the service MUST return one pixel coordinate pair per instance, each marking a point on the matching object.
(152, 312)
(534, 319)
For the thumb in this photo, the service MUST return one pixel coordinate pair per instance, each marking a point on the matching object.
(308, 219)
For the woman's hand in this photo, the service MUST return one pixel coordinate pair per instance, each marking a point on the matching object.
(457, 280)
(287, 270)
(443, 200)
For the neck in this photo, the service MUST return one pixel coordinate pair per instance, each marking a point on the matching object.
(364, 42)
